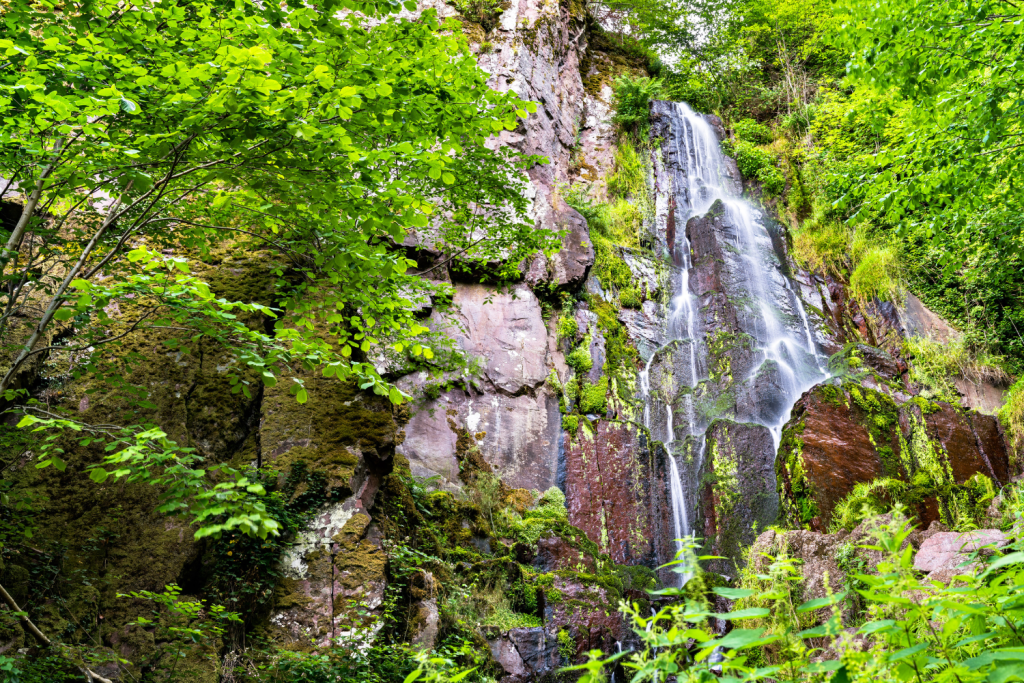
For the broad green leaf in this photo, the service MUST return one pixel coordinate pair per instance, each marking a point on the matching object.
(1004, 561)
(821, 602)
(749, 613)
(732, 593)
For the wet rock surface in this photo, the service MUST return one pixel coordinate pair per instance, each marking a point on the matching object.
(737, 497)
(844, 434)
(616, 491)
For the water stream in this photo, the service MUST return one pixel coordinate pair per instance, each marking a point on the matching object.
(693, 176)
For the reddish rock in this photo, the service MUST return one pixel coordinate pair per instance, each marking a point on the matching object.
(587, 612)
(838, 437)
(828, 435)
(944, 555)
(615, 489)
(554, 553)
(971, 441)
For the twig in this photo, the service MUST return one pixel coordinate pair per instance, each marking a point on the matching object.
(46, 642)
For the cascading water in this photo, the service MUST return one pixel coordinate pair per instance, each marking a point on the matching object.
(693, 178)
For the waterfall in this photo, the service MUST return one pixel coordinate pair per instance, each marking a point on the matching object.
(694, 176)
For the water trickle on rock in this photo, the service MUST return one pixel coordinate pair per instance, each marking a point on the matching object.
(693, 178)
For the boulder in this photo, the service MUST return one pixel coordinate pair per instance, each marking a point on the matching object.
(841, 434)
(945, 555)
(555, 553)
(587, 612)
(570, 265)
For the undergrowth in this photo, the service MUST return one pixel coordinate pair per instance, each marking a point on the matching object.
(936, 363)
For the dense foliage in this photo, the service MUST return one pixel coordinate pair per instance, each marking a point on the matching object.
(142, 137)
(906, 629)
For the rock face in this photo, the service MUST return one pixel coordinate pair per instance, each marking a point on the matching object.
(510, 411)
(616, 491)
(338, 559)
(738, 478)
(844, 434)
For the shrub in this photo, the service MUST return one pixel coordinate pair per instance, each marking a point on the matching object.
(567, 327)
(579, 358)
(630, 177)
(773, 182)
(609, 267)
(1012, 417)
(750, 130)
(571, 423)
(484, 12)
(822, 247)
(593, 397)
(630, 298)
(878, 274)
(632, 100)
(620, 221)
(867, 499)
(695, 90)
(935, 364)
(750, 158)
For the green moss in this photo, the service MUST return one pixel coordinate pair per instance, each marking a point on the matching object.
(579, 358)
(566, 645)
(1011, 415)
(567, 327)
(879, 274)
(571, 423)
(796, 495)
(621, 357)
(609, 267)
(592, 397)
(630, 298)
(833, 394)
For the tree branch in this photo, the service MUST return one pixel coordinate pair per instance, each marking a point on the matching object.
(43, 640)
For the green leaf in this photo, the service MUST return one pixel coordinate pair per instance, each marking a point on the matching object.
(301, 395)
(64, 313)
(877, 626)
(1006, 672)
(98, 475)
(749, 613)
(907, 652)
(27, 420)
(739, 638)
(821, 602)
(1004, 561)
(732, 593)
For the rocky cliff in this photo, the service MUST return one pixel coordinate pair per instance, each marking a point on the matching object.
(622, 395)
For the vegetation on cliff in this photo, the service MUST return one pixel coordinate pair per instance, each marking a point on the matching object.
(347, 154)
